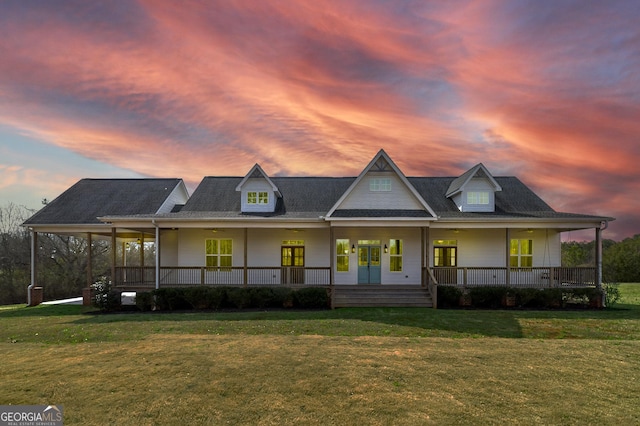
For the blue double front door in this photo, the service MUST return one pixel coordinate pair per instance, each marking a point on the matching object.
(368, 264)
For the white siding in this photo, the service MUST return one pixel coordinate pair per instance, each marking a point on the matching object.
(400, 198)
(178, 195)
(477, 185)
(191, 244)
(265, 244)
(169, 248)
(488, 247)
(258, 185)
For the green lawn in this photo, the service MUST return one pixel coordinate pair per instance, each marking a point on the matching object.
(370, 366)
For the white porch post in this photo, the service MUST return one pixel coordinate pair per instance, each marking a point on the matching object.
(113, 256)
(508, 256)
(598, 258)
(157, 243)
(246, 257)
(89, 259)
(34, 260)
(424, 236)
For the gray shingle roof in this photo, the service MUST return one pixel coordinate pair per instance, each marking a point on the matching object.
(313, 195)
(302, 198)
(89, 199)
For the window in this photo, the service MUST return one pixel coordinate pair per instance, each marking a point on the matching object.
(395, 255)
(254, 197)
(218, 253)
(380, 184)
(521, 254)
(342, 255)
(445, 253)
(478, 197)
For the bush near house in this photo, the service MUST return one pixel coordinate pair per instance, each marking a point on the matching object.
(216, 298)
(527, 298)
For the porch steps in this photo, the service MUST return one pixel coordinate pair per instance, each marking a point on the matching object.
(381, 296)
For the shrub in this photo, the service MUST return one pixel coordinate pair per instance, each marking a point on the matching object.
(611, 294)
(262, 297)
(487, 297)
(282, 297)
(530, 297)
(170, 299)
(448, 296)
(238, 297)
(144, 300)
(311, 298)
(106, 299)
(203, 297)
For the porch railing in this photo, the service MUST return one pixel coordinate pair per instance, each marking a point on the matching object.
(537, 277)
(178, 276)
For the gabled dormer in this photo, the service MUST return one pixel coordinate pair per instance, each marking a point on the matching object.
(259, 194)
(474, 191)
(381, 191)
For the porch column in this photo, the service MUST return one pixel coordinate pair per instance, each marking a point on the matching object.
(113, 256)
(142, 255)
(246, 257)
(157, 243)
(598, 258)
(34, 269)
(424, 263)
(508, 256)
(89, 260)
(332, 248)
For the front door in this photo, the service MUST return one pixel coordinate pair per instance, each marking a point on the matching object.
(292, 265)
(445, 260)
(368, 264)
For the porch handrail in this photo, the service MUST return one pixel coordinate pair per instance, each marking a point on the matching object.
(432, 286)
(536, 277)
(143, 277)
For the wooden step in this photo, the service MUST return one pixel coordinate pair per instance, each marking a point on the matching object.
(381, 296)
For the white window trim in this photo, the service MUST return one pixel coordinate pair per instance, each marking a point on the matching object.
(475, 198)
(257, 198)
(218, 255)
(380, 184)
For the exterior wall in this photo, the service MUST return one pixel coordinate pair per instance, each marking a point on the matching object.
(191, 244)
(476, 184)
(258, 185)
(265, 246)
(475, 248)
(411, 258)
(399, 197)
(488, 247)
(169, 247)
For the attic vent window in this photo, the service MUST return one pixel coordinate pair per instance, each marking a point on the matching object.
(254, 197)
(380, 184)
(476, 197)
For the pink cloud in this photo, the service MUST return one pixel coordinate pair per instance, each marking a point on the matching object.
(191, 89)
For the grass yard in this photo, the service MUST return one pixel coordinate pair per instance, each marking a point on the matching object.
(347, 366)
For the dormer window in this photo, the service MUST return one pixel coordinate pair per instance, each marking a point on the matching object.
(259, 193)
(475, 190)
(477, 198)
(380, 184)
(254, 197)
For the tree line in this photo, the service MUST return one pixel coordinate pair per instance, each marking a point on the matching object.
(620, 260)
(63, 259)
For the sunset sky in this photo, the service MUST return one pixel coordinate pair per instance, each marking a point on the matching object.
(548, 91)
